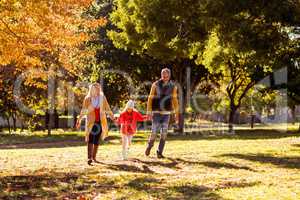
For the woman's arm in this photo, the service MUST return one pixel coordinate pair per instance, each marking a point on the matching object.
(82, 113)
(108, 110)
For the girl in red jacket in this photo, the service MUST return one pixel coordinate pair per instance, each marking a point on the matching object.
(128, 119)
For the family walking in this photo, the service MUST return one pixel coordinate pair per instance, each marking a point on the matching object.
(162, 103)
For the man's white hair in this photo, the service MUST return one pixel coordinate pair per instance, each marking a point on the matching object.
(166, 70)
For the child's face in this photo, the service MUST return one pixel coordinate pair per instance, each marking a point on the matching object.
(129, 109)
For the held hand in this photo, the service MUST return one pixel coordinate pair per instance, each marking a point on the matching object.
(177, 119)
(86, 138)
(78, 122)
(116, 122)
(149, 117)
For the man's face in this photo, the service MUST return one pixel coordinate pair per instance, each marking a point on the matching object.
(165, 76)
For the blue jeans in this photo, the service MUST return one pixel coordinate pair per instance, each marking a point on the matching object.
(160, 123)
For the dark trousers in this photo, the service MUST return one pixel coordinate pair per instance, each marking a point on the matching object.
(94, 138)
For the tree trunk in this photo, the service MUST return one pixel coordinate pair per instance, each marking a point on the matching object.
(74, 119)
(52, 84)
(56, 118)
(49, 121)
(232, 112)
(50, 124)
(252, 120)
(181, 117)
(182, 94)
(22, 125)
(46, 120)
(187, 74)
(8, 125)
(14, 122)
(293, 109)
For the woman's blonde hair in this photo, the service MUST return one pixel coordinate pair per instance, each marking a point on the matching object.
(91, 86)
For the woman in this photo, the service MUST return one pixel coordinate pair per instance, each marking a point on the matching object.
(94, 107)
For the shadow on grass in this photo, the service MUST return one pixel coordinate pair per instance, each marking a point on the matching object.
(173, 163)
(285, 162)
(161, 189)
(130, 168)
(57, 185)
(33, 186)
(296, 145)
(214, 164)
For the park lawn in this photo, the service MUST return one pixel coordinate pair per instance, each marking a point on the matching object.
(250, 165)
(36, 137)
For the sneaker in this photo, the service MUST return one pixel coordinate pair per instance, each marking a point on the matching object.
(159, 155)
(127, 153)
(124, 155)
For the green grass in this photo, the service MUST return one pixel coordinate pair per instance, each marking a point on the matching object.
(37, 137)
(258, 164)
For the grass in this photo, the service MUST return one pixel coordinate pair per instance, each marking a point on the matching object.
(258, 164)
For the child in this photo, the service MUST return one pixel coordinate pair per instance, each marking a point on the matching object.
(128, 119)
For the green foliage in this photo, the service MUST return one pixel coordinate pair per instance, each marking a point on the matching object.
(165, 30)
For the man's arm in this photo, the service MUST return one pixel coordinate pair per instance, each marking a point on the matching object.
(150, 99)
(175, 103)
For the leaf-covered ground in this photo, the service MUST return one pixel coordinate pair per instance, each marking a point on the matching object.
(250, 165)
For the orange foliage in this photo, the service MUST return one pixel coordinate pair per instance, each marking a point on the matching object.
(56, 26)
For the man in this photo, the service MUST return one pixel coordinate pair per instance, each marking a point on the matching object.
(162, 102)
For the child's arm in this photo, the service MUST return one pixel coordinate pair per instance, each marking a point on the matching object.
(120, 119)
(146, 117)
(140, 117)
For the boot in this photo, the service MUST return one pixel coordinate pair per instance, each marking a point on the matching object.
(161, 147)
(149, 147)
(89, 151)
(95, 150)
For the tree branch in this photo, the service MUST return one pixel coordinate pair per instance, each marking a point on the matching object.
(248, 87)
(11, 31)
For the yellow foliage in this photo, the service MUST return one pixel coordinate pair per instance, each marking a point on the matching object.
(28, 26)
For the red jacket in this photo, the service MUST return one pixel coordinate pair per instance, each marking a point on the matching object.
(128, 121)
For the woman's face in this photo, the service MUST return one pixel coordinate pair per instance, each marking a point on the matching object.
(95, 90)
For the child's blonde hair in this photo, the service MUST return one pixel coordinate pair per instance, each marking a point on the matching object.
(129, 104)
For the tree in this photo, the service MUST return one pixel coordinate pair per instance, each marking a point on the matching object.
(246, 44)
(33, 96)
(167, 31)
(48, 36)
(29, 27)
